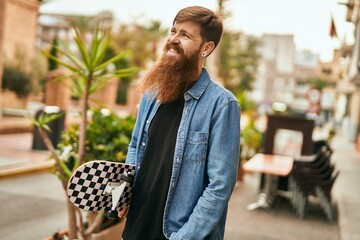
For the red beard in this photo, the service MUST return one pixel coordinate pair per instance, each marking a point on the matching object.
(171, 76)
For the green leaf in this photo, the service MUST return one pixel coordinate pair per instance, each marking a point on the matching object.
(46, 127)
(98, 47)
(82, 48)
(65, 169)
(79, 86)
(58, 60)
(44, 119)
(76, 61)
(126, 72)
(53, 116)
(62, 78)
(111, 60)
(100, 51)
(99, 83)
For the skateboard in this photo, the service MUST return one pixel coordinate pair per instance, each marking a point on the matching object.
(101, 185)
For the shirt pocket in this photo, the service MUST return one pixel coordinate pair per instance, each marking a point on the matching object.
(196, 145)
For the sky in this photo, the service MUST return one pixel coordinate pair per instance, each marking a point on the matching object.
(308, 20)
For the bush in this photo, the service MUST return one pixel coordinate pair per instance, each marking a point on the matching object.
(251, 141)
(17, 80)
(107, 138)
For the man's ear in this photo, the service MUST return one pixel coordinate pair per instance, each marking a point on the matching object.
(208, 48)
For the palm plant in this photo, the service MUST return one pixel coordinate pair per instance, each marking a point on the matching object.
(89, 71)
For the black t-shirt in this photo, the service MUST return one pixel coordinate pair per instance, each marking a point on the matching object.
(146, 211)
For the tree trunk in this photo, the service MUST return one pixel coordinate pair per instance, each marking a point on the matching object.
(72, 228)
(83, 124)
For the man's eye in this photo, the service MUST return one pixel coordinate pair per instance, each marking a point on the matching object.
(186, 36)
(172, 32)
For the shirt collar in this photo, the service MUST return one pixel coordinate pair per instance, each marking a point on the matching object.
(200, 85)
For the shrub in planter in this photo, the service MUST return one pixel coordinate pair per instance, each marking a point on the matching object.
(107, 138)
(88, 68)
(17, 81)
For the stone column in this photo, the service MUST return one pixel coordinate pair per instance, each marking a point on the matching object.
(57, 93)
(2, 24)
(106, 96)
(133, 98)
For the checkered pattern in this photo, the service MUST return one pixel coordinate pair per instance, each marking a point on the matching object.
(87, 184)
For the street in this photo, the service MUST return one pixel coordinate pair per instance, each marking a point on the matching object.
(33, 206)
(33, 203)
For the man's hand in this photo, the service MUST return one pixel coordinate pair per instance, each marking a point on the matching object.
(123, 212)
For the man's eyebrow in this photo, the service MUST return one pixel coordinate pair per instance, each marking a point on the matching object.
(182, 31)
(187, 32)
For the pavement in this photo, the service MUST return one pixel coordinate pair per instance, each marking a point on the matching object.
(24, 171)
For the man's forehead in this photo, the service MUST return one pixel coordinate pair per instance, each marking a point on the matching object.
(187, 26)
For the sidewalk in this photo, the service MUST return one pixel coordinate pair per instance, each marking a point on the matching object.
(16, 157)
(346, 189)
(16, 154)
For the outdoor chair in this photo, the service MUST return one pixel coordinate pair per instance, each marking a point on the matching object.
(321, 189)
(317, 167)
(317, 182)
(312, 161)
(320, 144)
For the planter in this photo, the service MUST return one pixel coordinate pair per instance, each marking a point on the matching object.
(58, 235)
(110, 233)
(241, 171)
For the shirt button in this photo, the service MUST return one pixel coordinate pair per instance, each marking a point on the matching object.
(143, 144)
(147, 121)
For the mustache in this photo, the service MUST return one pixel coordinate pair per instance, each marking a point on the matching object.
(174, 46)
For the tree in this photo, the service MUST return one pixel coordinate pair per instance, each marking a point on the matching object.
(239, 61)
(143, 38)
(317, 83)
(89, 70)
(52, 64)
(236, 57)
(214, 60)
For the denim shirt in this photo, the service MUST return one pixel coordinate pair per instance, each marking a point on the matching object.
(205, 162)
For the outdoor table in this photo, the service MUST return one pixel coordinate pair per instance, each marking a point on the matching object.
(272, 166)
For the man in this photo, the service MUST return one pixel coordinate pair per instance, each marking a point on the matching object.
(185, 142)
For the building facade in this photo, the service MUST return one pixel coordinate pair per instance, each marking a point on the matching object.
(275, 70)
(18, 22)
(284, 73)
(349, 87)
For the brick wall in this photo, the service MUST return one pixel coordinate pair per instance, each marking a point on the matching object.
(19, 31)
(57, 93)
(106, 96)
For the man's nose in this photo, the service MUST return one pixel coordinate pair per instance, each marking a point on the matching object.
(174, 38)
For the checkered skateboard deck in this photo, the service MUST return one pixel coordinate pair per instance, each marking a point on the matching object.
(88, 185)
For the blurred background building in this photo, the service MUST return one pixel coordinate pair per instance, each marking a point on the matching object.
(285, 74)
(349, 86)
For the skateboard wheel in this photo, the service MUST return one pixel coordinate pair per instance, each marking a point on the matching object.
(111, 213)
(127, 178)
